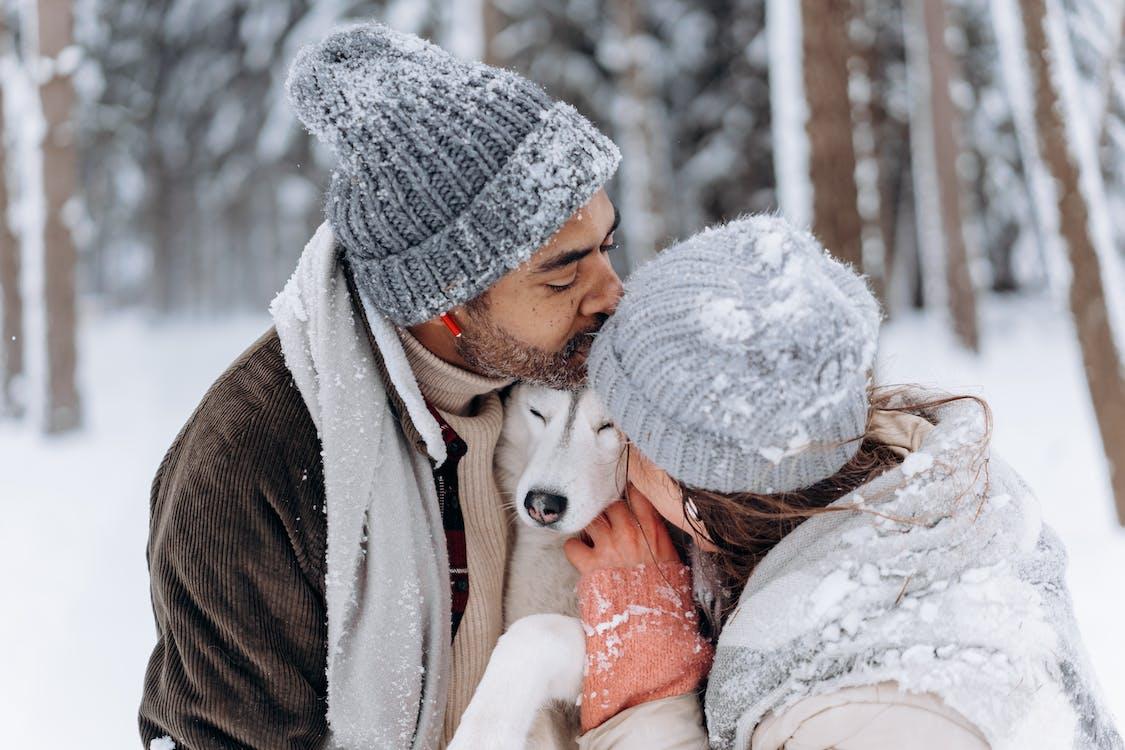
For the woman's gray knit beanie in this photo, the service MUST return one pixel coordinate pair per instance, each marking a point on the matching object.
(738, 360)
(450, 174)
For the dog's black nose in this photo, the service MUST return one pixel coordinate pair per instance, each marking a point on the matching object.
(544, 507)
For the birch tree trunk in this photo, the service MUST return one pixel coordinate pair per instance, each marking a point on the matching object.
(789, 110)
(1087, 295)
(60, 180)
(11, 312)
(827, 49)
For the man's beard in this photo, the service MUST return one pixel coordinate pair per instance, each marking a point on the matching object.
(492, 351)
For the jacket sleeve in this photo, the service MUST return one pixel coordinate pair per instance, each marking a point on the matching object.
(674, 723)
(871, 717)
(238, 598)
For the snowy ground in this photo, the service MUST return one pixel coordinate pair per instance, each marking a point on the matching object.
(76, 624)
(77, 627)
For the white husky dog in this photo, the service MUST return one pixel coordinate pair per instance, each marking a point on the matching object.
(558, 464)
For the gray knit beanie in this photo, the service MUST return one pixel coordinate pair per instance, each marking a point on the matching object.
(450, 174)
(738, 360)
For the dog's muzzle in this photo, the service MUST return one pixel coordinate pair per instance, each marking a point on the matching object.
(545, 508)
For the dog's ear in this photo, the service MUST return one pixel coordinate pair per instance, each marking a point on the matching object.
(506, 392)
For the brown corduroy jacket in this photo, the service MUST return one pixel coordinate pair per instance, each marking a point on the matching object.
(236, 557)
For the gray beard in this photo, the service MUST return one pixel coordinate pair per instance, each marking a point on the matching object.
(492, 351)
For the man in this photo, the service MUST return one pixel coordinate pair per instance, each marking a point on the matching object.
(327, 542)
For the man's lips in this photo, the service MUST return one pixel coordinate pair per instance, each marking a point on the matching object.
(581, 349)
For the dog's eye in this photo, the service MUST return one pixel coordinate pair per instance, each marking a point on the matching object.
(604, 427)
(537, 414)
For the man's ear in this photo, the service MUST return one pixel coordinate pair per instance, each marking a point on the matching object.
(423, 331)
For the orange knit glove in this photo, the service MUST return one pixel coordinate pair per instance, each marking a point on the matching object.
(642, 638)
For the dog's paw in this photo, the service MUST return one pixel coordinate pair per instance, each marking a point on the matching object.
(538, 661)
(550, 650)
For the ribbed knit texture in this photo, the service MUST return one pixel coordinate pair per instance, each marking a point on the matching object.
(738, 360)
(942, 579)
(237, 536)
(450, 173)
(472, 406)
(642, 638)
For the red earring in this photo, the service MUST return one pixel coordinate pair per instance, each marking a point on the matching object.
(451, 324)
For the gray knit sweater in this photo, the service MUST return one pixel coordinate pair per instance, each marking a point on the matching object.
(948, 583)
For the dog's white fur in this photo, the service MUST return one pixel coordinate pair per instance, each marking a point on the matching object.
(562, 443)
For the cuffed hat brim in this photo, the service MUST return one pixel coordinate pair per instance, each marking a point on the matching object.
(708, 460)
(549, 176)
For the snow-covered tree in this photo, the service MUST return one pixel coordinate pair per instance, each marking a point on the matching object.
(1088, 299)
(53, 62)
(827, 51)
(935, 152)
(1111, 142)
(641, 123)
(722, 120)
(11, 300)
(863, 66)
(682, 86)
(201, 188)
(1000, 199)
(1095, 40)
(888, 104)
(1086, 52)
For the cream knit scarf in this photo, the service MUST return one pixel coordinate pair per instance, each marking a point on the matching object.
(387, 583)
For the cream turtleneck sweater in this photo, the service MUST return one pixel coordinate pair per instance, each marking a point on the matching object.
(471, 404)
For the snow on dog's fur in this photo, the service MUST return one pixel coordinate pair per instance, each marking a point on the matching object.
(558, 465)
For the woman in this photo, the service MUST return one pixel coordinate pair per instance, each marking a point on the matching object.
(879, 580)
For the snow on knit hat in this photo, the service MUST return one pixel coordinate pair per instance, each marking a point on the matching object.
(450, 173)
(738, 360)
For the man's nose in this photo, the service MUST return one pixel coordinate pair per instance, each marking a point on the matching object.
(606, 292)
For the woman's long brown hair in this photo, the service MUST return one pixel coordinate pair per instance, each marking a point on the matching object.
(745, 526)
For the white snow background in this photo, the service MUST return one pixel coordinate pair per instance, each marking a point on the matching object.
(76, 623)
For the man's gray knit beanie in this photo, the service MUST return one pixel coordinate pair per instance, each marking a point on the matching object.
(738, 360)
(450, 174)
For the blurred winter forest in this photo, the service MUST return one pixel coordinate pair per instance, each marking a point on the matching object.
(954, 150)
(156, 191)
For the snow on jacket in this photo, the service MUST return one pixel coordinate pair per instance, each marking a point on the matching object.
(944, 581)
(252, 570)
(387, 665)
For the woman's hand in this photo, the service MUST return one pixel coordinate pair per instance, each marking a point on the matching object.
(635, 603)
(627, 534)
